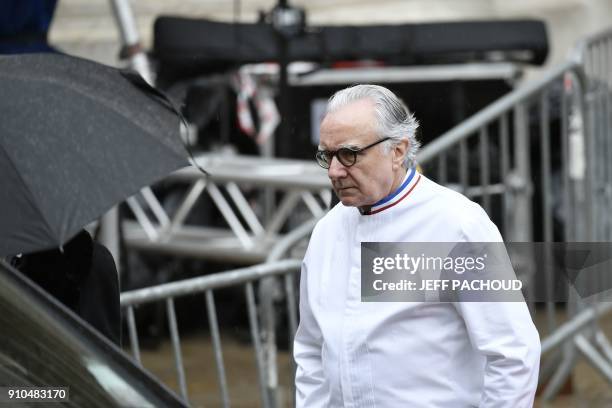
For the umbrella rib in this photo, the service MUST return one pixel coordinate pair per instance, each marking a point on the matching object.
(36, 207)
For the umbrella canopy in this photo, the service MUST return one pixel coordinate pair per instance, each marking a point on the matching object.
(76, 138)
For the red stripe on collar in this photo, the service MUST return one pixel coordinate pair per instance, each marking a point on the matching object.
(395, 202)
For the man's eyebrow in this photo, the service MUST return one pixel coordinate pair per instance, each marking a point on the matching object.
(350, 146)
(346, 146)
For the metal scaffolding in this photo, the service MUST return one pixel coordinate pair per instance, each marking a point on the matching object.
(247, 238)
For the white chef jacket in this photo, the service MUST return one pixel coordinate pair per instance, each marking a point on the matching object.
(406, 354)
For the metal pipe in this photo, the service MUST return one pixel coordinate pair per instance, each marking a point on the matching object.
(289, 201)
(130, 38)
(229, 216)
(546, 207)
(442, 169)
(185, 208)
(596, 142)
(580, 147)
(252, 313)
(326, 196)
(267, 296)
(245, 209)
(594, 357)
(608, 137)
(133, 333)
(292, 313)
(463, 165)
(608, 153)
(202, 283)
(176, 348)
(291, 309)
(312, 204)
(289, 240)
(216, 340)
(505, 170)
(479, 191)
(287, 174)
(560, 376)
(604, 344)
(483, 141)
(522, 201)
(490, 113)
(577, 323)
(545, 166)
(522, 208)
(155, 206)
(568, 230)
(143, 220)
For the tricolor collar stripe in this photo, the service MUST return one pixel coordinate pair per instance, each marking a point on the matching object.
(401, 188)
(405, 189)
(401, 198)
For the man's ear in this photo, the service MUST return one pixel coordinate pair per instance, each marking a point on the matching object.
(399, 152)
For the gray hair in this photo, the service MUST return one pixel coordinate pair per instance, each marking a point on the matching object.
(394, 120)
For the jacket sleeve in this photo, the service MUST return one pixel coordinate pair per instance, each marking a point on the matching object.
(310, 385)
(504, 333)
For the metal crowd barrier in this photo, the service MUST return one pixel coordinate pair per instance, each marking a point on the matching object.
(566, 198)
(261, 312)
(248, 278)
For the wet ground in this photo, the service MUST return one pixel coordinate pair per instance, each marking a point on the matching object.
(588, 388)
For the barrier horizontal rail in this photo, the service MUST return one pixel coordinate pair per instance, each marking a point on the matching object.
(203, 283)
(492, 112)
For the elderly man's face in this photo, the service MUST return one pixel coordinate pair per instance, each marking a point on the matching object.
(376, 173)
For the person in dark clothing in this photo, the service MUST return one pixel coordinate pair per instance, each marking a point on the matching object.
(24, 25)
(82, 275)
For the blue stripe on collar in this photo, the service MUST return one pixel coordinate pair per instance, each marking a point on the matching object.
(407, 179)
(410, 181)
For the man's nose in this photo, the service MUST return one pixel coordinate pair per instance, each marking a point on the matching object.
(336, 169)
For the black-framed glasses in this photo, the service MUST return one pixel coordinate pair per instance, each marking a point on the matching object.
(346, 155)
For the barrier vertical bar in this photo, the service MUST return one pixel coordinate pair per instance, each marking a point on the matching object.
(176, 348)
(484, 168)
(463, 165)
(216, 340)
(522, 225)
(522, 205)
(252, 312)
(547, 208)
(442, 169)
(267, 294)
(504, 170)
(131, 320)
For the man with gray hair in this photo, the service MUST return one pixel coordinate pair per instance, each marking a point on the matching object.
(351, 353)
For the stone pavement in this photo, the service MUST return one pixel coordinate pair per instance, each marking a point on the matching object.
(589, 388)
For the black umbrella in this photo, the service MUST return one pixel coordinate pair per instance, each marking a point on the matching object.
(76, 138)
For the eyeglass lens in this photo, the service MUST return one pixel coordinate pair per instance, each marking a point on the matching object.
(346, 156)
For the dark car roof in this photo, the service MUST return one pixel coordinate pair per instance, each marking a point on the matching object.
(43, 344)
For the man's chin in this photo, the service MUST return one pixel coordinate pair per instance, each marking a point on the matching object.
(349, 200)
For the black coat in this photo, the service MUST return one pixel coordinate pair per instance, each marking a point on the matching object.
(83, 277)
